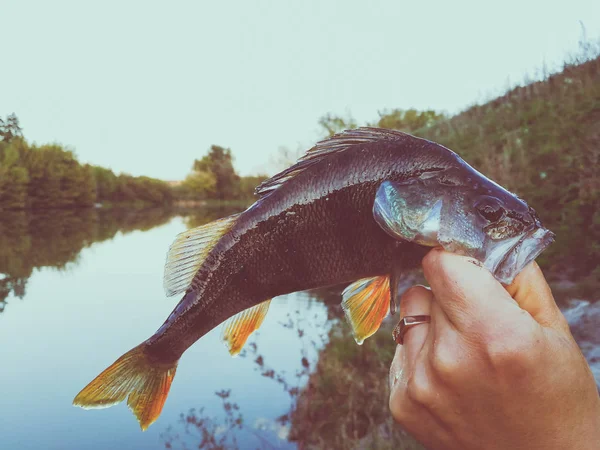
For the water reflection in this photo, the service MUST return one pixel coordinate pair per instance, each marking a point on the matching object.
(55, 238)
(230, 429)
(301, 381)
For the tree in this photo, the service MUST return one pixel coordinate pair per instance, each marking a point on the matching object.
(334, 124)
(408, 120)
(219, 163)
(50, 176)
(87, 189)
(10, 128)
(198, 185)
(106, 183)
(13, 176)
(48, 166)
(249, 184)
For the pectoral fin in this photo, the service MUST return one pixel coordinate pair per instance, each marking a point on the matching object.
(366, 302)
(238, 328)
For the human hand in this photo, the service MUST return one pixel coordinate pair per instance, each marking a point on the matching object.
(495, 369)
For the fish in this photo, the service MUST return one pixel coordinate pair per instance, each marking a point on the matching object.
(359, 208)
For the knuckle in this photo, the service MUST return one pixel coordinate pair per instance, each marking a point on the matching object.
(513, 351)
(399, 409)
(432, 262)
(444, 362)
(414, 293)
(419, 389)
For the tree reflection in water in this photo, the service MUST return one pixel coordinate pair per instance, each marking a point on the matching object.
(229, 429)
(338, 399)
(54, 238)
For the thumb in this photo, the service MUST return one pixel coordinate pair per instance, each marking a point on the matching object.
(531, 291)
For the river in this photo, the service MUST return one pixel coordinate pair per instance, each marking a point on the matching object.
(79, 288)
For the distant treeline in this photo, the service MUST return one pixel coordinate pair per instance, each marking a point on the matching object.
(31, 239)
(49, 176)
(54, 238)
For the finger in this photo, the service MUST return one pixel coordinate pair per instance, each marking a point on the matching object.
(466, 292)
(409, 408)
(447, 350)
(415, 301)
(531, 291)
(418, 421)
(397, 375)
(440, 324)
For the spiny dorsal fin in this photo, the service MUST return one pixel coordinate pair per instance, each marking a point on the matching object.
(188, 252)
(366, 302)
(238, 328)
(327, 147)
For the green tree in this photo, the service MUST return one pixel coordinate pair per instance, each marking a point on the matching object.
(51, 182)
(10, 128)
(87, 189)
(219, 163)
(248, 185)
(408, 120)
(334, 124)
(198, 185)
(14, 177)
(106, 183)
(50, 176)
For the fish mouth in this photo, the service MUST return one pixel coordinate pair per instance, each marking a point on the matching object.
(522, 253)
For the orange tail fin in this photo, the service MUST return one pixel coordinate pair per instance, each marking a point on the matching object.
(134, 376)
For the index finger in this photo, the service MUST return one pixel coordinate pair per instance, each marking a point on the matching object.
(466, 291)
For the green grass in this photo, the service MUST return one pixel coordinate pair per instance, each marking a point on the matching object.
(542, 141)
(345, 404)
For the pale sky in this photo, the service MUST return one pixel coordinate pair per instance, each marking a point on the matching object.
(145, 87)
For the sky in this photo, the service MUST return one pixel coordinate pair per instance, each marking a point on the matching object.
(146, 87)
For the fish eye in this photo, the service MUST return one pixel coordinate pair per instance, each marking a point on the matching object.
(490, 208)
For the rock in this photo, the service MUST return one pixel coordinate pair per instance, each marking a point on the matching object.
(584, 319)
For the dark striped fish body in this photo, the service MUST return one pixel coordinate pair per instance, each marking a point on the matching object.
(312, 226)
(313, 230)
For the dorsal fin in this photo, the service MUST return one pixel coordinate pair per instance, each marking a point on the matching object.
(327, 147)
(188, 252)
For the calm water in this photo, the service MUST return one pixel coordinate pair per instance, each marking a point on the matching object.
(79, 288)
(95, 301)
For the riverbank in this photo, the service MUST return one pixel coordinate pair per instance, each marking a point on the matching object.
(345, 402)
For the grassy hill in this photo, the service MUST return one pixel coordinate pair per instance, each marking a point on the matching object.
(542, 141)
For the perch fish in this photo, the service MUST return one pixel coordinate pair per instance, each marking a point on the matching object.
(360, 207)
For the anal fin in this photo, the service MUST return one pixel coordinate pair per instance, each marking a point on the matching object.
(238, 328)
(366, 302)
